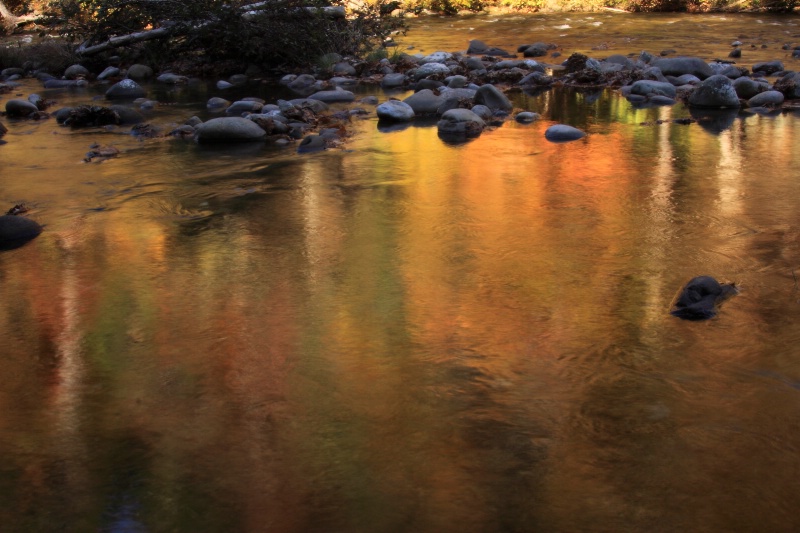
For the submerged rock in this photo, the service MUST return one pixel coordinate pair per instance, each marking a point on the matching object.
(559, 133)
(395, 111)
(16, 231)
(460, 124)
(699, 298)
(229, 129)
(716, 91)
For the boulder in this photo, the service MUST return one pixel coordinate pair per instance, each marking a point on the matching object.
(424, 102)
(215, 103)
(140, 72)
(228, 129)
(3, 129)
(16, 230)
(716, 91)
(222, 85)
(535, 49)
(172, 79)
(243, 106)
(460, 123)
(312, 143)
(394, 80)
(699, 298)
(677, 66)
(652, 88)
(481, 48)
(108, 72)
(395, 111)
(344, 68)
(54, 83)
(429, 69)
(562, 133)
(789, 85)
(493, 98)
(17, 107)
(747, 87)
(126, 88)
(76, 71)
(766, 99)
(482, 111)
(436, 57)
(338, 95)
(304, 83)
(127, 115)
(768, 67)
(526, 117)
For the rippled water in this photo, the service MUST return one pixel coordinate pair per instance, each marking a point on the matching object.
(404, 334)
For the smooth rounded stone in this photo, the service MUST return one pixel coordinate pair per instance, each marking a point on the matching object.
(392, 81)
(303, 82)
(272, 124)
(172, 79)
(183, 131)
(436, 57)
(61, 115)
(563, 133)
(456, 82)
(481, 48)
(395, 111)
(317, 106)
(287, 79)
(766, 99)
(652, 88)
(735, 53)
(536, 78)
(139, 72)
(460, 123)
(222, 85)
(526, 117)
(15, 230)
(428, 69)
(55, 83)
(126, 88)
(243, 106)
(748, 87)
(716, 91)
(493, 98)
(768, 67)
(215, 103)
(239, 79)
(17, 107)
(619, 59)
(229, 129)
(369, 100)
(38, 101)
(473, 63)
(338, 95)
(11, 71)
(330, 58)
(193, 121)
(482, 111)
(636, 98)
(312, 143)
(76, 71)
(108, 72)
(127, 115)
(424, 102)
(685, 79)
(433, 85)
(677, 66)
(534, 50)
(700, 297)
(340, 82)
(660, 99)
(343, 68)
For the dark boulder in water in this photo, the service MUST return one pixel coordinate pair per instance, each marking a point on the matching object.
(699, 298)
(16, 231)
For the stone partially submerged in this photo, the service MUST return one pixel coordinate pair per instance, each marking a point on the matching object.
(16, 230)
(716, 92)
(228, 129)
(460, 124)
(699, 298)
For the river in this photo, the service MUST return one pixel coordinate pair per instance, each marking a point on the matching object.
(403, 334)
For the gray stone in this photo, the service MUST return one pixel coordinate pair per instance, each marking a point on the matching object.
(215, 103)
(302, 83)
(125, 89)
(344, 69)
(17, 107)
(534, 50)
(768, 67)
(685, 79)
(428, 69)
(436, 57)
(482, 111)
(172, 79)
(222, 85)
(677, 66)
(229, 129)
(651, 88)
(395, 111)
(493, 98)
(563, 133)
(456, 82)
(473, 63)
(391, 81)
(460, 123)
(76, 71)
(238, 79)
(312, 143)
(16, 229)
(54, 83)
(243, 106)
(789, 85)
(526, 117)
(424, 102)
(766, 99)
(317, 106)
(747, 87)
(127, 115)
(109, 72)
(140, 72)
(338, 95)
(716, 91)
(479, 47)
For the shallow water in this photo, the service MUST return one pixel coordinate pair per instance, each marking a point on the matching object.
(404, 334)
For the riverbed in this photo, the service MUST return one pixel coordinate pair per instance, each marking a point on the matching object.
(406, 334)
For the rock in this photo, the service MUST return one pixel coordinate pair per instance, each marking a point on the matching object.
(54, 83)
(428, 69)
(126, 88)
(222, 85)
(457, 82)
(239, 79)
(243, 106)
(17, 107)
(536, 78)
(11, 71)
(789, 85)
(312, 143)
(526, 117)
(677, 66)
(473, 63)
(685, 79)
(394, 80)
(172, 79)
(3, 129)
(482, 111)
(436, 57)
(716, 91)
(652, 88)
(127, 115)
(369, 100)
(16, 230)
(562, 133)
(460, 124)
(76, 71)
(424, 102)
(766, 99)
(109, 72)
(338, 95)
(493, 98)
(140, 72)
(193, 121)
(481, 48)
(395, 111)
(344, 68)
(340, 82)
(229, 129)
(699, 298)
(433, 85)
(317, 106)
(735, 53)
(287, 79)
(768, 67)
(747, 87)
(535, 49)
(215, 103)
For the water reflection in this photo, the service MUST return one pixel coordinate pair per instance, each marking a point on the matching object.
(406, 334)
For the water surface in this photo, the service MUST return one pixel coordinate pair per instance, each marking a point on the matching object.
(404, 334)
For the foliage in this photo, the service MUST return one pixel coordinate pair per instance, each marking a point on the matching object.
(48, 54)
(270, 34)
